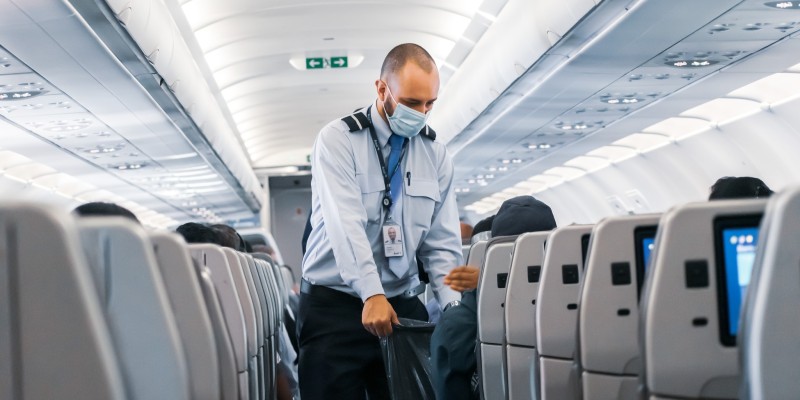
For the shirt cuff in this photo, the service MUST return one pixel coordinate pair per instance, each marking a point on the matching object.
(447, 295)
(368, 286)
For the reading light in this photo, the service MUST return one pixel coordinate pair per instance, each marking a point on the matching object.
(622, 100)
(691, 63)
(784, 5)
(20, 95)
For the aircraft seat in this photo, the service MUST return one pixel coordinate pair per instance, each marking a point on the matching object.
(770, 320)
(557, 314)
(226, 354)
(520, 312)
(191, 314)
(260, 334)
(608, 316)
(491, 329)
(688, 320)
(249, 313)
(213, 257)
(53, 335)
(266, 273)
(137, 308)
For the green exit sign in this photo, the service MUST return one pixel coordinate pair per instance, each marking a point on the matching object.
(315, 63)
(338, 62)
(322, 62)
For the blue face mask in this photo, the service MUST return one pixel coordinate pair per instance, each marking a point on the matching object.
(405, 121)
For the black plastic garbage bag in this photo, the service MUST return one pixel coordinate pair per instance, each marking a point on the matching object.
(407, 358)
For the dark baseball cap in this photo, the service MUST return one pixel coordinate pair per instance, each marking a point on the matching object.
(739, 187)
(522, 214)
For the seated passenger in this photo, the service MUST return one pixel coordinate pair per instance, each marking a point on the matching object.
(739, 187)
(454, 340)
(193, 232)
(228, 237)
(104, 209)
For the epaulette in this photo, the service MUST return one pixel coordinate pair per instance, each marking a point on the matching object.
(428, 132)
(357, 121)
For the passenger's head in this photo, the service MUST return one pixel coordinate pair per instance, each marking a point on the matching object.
(228, 237)
(521, 215)
(408, 76)
(104, 210)
(193, 232)
(263, 248)
(466, 231)
(739, 187)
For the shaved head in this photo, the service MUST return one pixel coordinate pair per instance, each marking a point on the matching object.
(402, 54)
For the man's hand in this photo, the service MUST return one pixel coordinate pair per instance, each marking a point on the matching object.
(462, 278)
(378, 316)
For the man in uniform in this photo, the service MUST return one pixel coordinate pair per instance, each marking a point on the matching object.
(375, 170)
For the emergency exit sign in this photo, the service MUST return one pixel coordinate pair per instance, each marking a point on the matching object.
(338, 62)
(322, 62)
(315, 63)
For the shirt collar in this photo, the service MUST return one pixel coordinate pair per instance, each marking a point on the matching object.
(381, 127)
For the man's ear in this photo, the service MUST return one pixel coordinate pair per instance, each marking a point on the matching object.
(380, 86)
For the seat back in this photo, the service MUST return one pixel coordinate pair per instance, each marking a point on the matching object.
(477, 253)
(770, 325)
(191, 314)
(213, 257)
(491, 329)
(608, 316)
(269, 295)
(270, 282)
(520, 311)
(688, 347)
(260, 310)
(245, 300)
(465, 251)
(226, 354)
(53, 336)
(557, 314)
(137, 307)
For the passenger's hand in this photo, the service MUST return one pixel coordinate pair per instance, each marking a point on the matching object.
(462, 278)
(378, 316)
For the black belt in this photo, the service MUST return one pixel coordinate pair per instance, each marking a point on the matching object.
(310, 289)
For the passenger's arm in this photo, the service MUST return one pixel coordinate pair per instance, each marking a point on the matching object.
(441, 249)
(463, 278)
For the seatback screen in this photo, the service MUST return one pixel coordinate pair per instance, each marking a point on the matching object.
(585, 248)
(647, 247)
(736, 241)
(644, 241)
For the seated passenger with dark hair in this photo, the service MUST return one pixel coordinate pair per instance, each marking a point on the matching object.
(453, 342)
(101, 209)
(193, 232)
(228, 237)
(739, 187)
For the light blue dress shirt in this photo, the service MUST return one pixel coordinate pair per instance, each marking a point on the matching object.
(345, 249)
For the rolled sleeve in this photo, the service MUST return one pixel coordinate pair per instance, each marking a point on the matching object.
(441, 249)
(343, 214)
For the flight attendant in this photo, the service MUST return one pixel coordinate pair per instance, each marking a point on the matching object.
(382, 196)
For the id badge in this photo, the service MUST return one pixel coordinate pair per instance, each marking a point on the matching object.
(392, 240)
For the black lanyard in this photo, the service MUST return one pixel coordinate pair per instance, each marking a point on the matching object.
(387, 181)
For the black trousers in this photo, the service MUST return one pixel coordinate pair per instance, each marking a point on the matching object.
(339, 359)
